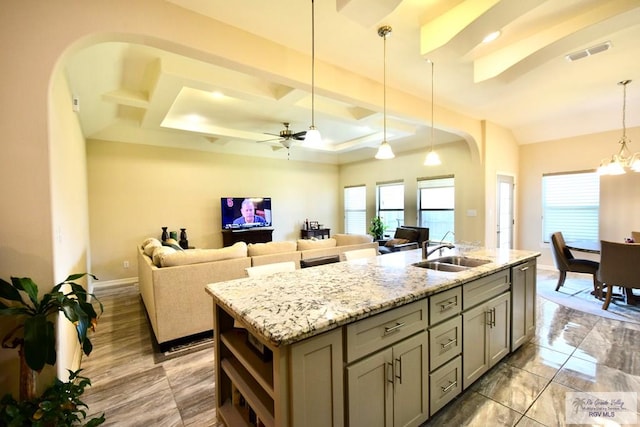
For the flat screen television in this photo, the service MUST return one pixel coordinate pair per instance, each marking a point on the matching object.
(245, 212)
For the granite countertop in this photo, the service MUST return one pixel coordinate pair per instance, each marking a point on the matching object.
(288, 307)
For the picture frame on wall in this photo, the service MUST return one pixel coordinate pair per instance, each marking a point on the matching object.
(313, 225)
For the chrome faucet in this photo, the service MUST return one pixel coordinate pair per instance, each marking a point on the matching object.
(446, 234)
(426, 253)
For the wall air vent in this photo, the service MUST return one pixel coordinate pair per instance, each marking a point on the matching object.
(588, 51)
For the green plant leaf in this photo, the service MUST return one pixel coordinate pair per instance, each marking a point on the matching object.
(29, 286)
(39, 342)
(8, 292)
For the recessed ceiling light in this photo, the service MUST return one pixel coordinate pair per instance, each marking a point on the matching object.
(491, 37)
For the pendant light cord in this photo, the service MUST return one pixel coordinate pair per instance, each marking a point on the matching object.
(432, 124)
(313, 64)
(384, 87)
(624, 109)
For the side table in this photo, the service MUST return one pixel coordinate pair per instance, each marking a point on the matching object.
(317, 233)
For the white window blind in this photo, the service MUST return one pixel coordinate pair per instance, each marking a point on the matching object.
(355, 210)
(570, 204)
(437, 206)
(391, 205)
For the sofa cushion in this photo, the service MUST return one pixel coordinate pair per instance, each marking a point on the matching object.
(269, 248)
(149, 245)
(406, 233)
(159, 252)
(352, 239)
(196, 256)
(394, 242)
(306, 244)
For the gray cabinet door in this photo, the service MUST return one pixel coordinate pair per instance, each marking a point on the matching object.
(370, 390)
(523, 303)
(317, 381)
(411, 381)
(475, 354)
(498, 329)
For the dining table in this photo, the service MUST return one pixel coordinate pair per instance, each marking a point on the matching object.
(593, 247)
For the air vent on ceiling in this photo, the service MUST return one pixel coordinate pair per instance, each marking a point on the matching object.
(588, 51)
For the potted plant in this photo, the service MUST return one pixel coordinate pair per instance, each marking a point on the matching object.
(377, 228)
(34, 333)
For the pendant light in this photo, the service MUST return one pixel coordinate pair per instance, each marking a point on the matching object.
(623, 159)
(312, 138)
(432, 158)
(384, 151)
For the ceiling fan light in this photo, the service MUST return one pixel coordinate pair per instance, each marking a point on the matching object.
(432, 159)
(384, 151)
(312, 137)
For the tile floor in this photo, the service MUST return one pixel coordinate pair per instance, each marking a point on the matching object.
(572, 351)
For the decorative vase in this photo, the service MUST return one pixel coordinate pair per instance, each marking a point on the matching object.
(165, 234)
(184, 243)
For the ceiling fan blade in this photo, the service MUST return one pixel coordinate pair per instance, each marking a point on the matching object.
(270, 139)
(299, 136)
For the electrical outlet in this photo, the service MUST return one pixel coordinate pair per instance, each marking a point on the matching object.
(125, 264)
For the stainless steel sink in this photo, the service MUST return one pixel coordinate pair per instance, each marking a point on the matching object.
(453, 263)
(462, 261)
(440, 266)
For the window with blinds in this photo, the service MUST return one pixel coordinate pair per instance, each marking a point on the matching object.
(355, 210)
(570, 204)
(391, 206)
(436, 206)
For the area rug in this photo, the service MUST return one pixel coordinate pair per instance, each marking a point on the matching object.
(576, 294)
(182, 347)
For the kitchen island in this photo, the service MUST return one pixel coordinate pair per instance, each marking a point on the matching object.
(376, 341)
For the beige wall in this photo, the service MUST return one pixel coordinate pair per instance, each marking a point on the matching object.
(137, 189)
(501, 158)
(456, 160)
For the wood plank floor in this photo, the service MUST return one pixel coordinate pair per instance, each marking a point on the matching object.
(572, 351)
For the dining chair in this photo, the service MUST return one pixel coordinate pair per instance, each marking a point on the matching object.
(360, 253)
(565, 262)
(619, 267)
(276, 267)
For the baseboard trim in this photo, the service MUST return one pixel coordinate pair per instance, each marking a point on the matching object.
(127, 281)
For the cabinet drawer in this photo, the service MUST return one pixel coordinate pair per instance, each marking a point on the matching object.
(445, 305)
(371, 334)
(445, 342)
(445, 384)
(484, 289)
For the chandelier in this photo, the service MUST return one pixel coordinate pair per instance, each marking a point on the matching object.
(623, 159)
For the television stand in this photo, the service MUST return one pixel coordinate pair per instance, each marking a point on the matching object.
(247, 235)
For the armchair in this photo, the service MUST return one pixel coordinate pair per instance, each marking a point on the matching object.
(565, 262)
(405, 238)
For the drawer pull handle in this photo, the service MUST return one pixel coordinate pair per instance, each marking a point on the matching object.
(449, 387)
(445, 345)
(447, 306)
(392, 329)
(524, 268)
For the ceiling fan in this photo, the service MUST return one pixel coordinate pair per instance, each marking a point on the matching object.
(286, 137)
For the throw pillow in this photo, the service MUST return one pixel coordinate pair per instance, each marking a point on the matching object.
(391, 243)
(149, 247)
(172, 243)
(148, 240)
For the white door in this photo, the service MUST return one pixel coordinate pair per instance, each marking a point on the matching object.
(505, 212)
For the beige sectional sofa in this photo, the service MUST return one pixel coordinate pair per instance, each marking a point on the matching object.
(172, 281)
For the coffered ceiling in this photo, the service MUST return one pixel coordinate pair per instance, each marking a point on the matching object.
(521, 81)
